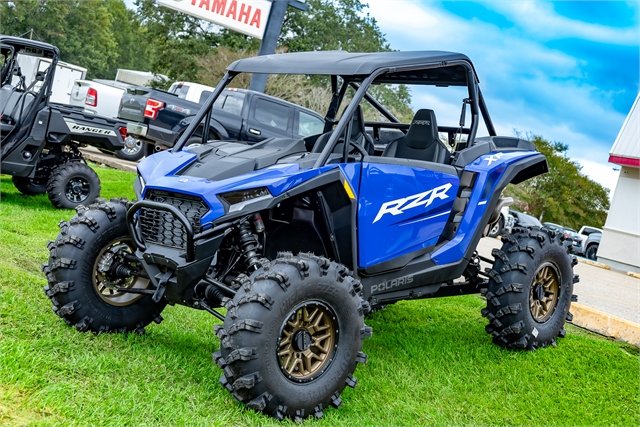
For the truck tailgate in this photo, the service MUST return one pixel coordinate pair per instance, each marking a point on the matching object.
(134, 101)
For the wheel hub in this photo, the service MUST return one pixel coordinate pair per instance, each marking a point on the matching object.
(77, 190)
(302, 340)
(308, 339)
(545, 289)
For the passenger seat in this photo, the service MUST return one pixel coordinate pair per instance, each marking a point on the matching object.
(421, 141)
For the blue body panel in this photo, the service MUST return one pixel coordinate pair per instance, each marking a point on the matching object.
(489, 169)
(401, 209)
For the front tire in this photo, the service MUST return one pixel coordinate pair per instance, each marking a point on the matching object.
(73, 184)
(81, 273)
(293, 336)
(530, 289)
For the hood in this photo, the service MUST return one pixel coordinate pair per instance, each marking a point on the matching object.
(212, 169)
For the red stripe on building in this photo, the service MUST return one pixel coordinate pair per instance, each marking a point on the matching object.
(624, 161)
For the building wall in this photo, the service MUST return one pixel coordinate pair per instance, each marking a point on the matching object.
(620, 244)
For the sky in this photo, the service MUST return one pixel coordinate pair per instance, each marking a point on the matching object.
(567, 71)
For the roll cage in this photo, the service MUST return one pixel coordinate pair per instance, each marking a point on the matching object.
(411, 68)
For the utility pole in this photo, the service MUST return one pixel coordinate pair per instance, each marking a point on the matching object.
(271, 35)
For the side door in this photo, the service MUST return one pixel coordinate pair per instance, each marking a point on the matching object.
(268, 119)
(403, 207)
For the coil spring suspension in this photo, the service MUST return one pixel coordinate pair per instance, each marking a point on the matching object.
(248, 244)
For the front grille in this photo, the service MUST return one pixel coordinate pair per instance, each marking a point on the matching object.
(161, 227)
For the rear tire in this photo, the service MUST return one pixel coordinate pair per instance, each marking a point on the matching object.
(498, 228)
(30, 186)
(530, 289)
(73, 184)
(80, 273)
(293, 336)
(133, 153)
(592, 252)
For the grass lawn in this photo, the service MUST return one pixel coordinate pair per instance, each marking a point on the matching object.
(430, 361)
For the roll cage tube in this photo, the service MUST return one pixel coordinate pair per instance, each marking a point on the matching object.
(485, 114)
(205, 111)
(472, 87)
(336, 100)
(371, 100)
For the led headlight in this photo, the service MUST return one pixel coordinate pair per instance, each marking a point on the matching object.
(237, 200)
(138, 186)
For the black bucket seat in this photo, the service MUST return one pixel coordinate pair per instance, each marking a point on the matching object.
(421, 141)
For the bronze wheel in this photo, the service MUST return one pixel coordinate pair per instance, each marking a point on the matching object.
(543, 296)
(307, 341)
(106, 282)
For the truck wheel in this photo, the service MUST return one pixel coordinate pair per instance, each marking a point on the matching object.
(73, 184)
(90, 259)
(530, 289)
(497, 228)
(133, 150)
(30, 186)
(592, 251)
(292, 337)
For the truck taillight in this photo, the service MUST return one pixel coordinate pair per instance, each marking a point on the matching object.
(92, 97)
(123, 132)
(152, 108)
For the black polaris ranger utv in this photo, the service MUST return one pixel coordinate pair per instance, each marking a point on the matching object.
(39, 140)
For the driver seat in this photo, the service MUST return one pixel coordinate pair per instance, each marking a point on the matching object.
(358, 135)
(421, 141)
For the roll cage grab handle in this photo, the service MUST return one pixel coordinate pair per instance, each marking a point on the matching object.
(477, 104)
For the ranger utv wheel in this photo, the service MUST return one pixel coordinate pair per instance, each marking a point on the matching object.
(90, 261)
(293, 336)
(530, 289)
(73, 184)
(30, 186)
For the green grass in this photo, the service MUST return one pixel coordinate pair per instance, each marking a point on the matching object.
(430, 362)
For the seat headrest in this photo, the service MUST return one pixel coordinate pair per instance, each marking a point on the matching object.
(423, 130)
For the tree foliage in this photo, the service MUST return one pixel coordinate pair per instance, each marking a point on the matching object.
(565, 195)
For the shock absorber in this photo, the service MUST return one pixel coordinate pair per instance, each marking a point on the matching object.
(248, 244)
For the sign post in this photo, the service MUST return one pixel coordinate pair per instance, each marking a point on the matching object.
(261, 19)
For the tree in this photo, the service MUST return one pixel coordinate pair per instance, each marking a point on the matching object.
(564, 195)
(81, 29)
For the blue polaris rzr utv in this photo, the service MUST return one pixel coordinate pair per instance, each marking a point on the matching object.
(299, 239)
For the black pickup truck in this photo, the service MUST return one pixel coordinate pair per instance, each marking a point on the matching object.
(159, 118)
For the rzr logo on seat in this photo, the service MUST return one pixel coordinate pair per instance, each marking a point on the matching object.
(396, 207)
(421, 122)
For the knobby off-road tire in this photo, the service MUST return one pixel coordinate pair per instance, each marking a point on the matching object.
(73, 184)
(79, 285)
(530, 289)
(288, 309)
(30, 186)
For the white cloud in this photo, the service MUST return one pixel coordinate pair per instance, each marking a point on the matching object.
(602, 173)
(540, 19)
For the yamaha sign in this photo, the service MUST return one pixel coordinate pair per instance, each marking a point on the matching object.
(244, 16)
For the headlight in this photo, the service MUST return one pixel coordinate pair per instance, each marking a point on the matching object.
(237, 200)
(138, 186)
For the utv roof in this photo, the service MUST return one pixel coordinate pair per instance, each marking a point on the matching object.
(343, 63)
(26, 43)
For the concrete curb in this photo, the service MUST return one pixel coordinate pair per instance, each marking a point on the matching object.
(632, 274)
(595, 264)
(108, 160)
(605, 324)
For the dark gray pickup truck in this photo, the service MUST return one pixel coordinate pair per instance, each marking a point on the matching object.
(159, 118)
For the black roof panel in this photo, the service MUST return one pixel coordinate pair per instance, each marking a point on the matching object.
(339, 62)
